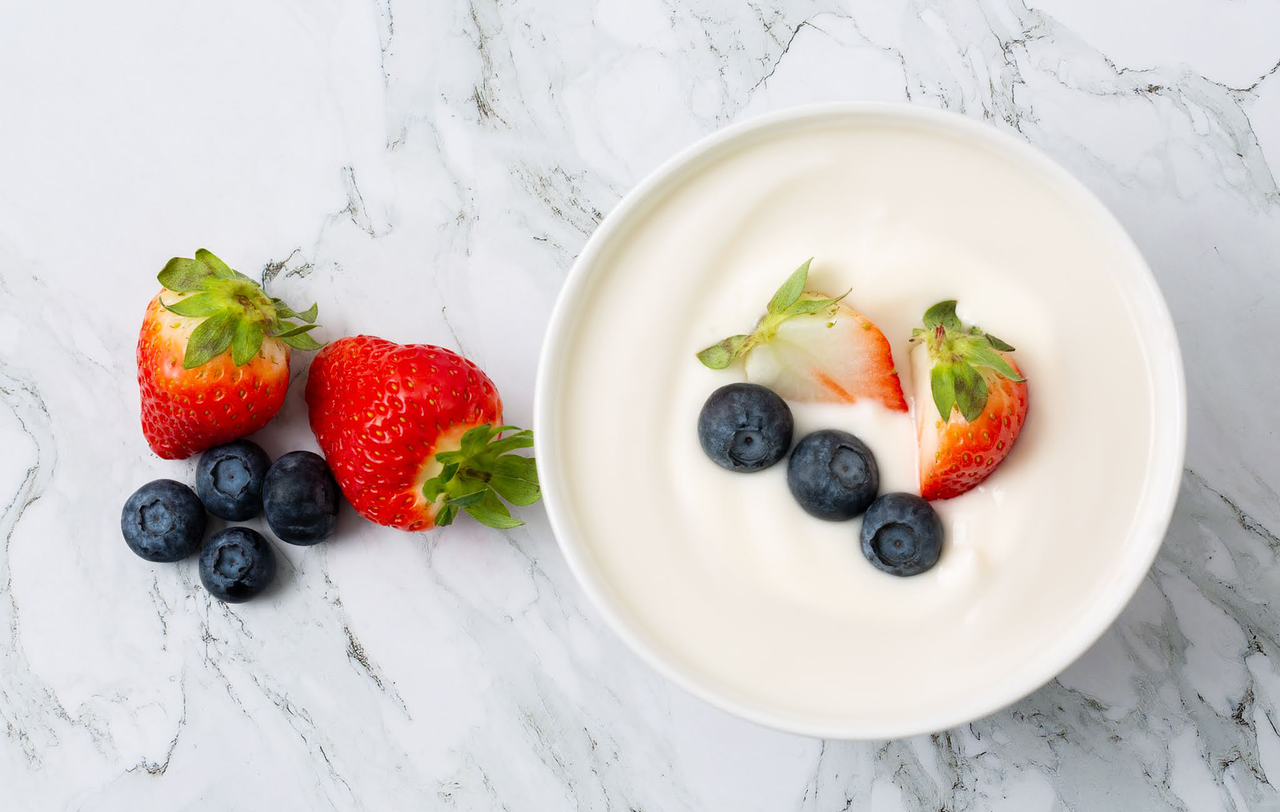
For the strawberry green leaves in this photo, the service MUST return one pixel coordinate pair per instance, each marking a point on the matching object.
(516, 480)
(970, 390)
(789, 301)
(959, 383)
(237, 314)
(489, 511)
(482, 473)
(983, 354)
(209, 340)
(960, 356)
(308, 315)
(246, 342)
(942, 383)
(943, 313)
(720, 356)
(295, 335)
(791, 290)
(197, 306)
(997, 343)
(219, 268)
(184, 275)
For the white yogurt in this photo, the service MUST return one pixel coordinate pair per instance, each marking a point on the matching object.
(725, 571)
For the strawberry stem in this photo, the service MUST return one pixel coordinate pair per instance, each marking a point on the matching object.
(789, 301)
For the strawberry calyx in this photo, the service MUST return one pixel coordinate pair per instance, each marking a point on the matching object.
(789, 301)
(963, 360)
(235, 312)
(481, 473)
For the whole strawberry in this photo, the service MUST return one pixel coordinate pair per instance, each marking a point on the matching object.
(977, 406)
(413, 434)
(213, 356)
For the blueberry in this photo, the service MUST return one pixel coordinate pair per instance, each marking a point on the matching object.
(229, 480)
(163, 521)
(300, 498)
(902, 534)
(237, 564)
(833, 475)
(745, 427)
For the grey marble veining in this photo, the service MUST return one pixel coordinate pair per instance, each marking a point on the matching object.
(428, 170)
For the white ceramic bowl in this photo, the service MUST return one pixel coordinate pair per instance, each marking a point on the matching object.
(1057, 640)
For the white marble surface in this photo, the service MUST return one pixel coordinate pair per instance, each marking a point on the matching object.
(428, 170)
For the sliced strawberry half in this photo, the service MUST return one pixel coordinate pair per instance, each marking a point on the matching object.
(810, 347)
(975, 383)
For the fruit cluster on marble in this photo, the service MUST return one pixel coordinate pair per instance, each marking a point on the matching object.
(434, 167)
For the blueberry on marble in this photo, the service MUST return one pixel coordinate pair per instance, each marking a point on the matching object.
(745, 427)
(902, 534)
(833, 475)
(300, 497)
(237, 564)
(163, 521)
(229, 479)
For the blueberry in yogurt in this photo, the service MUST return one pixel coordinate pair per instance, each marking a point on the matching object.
(901, 534)
(833, 475)
(745, 427)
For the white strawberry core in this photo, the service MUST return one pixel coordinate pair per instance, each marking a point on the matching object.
(926, 411)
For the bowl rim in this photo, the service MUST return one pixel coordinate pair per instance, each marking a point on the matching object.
(1160, 489)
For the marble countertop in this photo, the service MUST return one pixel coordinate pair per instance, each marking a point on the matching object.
(427, 170)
